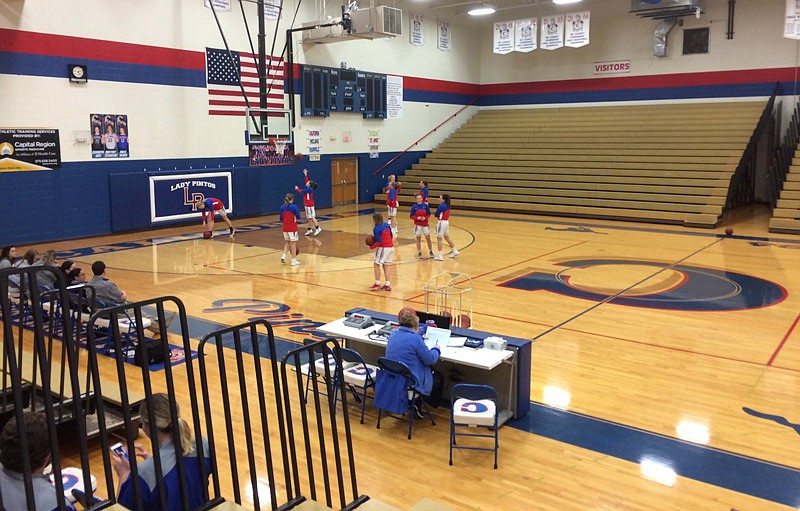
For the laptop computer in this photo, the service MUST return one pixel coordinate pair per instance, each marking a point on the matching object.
(439, 320)
(437, 337)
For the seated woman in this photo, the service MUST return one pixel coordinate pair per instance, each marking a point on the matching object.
(73, 274)
(8, 256)
(169, 478)
(406, 345)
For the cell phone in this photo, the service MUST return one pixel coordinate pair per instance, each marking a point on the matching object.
(120, 451)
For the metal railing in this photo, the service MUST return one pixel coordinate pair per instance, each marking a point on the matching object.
(741, 190)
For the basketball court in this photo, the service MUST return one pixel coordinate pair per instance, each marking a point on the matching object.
(665, 364)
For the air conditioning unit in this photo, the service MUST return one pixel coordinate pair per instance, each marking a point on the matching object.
(660, 9)
(377, 22)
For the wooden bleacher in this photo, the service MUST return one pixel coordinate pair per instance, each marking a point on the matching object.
(786, 215)
(655, 163)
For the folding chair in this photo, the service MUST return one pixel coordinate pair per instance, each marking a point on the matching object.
(396, 392)
(358, 375)
(473, 406)
(323, 356)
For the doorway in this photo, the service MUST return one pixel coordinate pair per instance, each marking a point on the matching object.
(344, 181)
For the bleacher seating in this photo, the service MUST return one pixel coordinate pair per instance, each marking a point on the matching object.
(657, 163)
(786, 215)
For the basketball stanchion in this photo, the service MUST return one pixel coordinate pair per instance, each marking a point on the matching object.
(450, 294)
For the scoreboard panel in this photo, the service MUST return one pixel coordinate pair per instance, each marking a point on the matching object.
(328, 89)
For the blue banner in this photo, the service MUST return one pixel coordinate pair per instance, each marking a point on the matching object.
(173, 197)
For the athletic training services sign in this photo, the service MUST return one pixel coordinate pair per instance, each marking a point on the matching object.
(24, 149)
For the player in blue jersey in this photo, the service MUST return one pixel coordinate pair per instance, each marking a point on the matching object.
(443, 227)
(420, 212)
(384, 253)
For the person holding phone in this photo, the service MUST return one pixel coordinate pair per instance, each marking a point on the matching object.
(169, 479)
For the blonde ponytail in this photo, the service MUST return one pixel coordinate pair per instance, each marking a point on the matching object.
(162, 418)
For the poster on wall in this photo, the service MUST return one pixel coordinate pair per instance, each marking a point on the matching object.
(277, 151)
(525, 35)
(314, 143)
(219, 5)
(791, 27)
(503, 42)
(109, 135)
(443, 35)
(23, 149)
(173, 197)
(374, 141)
(577, 26)
(552, 36)
(416, 35)
(394, 97)
(272, 9)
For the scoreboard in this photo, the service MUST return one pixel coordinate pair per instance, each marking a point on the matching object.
(329, 89)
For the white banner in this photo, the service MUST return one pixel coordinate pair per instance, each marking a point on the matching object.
(219, 5)
(552, 36)
(313, 143)
(272, 9)
(374, 141)
(503, 37)
(791, 28)
(394, 97)
(443, 36)
(416, 31)
(525, 35)
(577, 29)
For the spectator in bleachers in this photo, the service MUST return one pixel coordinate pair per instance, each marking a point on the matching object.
(47, 279)
(12, 482)
(73, 273)
(169, 478)
(7, 257)
(30, 258)
(105, 289)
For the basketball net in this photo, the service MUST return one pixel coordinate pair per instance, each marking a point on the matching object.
(280, 145)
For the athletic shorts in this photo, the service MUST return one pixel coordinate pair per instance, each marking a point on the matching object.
(384, 255)
(291, 236)
(311, 212)
(391, 211)
(419, 230)
(443, 228)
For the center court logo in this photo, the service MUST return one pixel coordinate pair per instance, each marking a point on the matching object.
(689, 288)
(276, 313)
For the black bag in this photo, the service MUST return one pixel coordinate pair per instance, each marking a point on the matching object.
(149, 351)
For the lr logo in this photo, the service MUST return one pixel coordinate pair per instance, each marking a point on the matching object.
(277, 314)
(195, 197)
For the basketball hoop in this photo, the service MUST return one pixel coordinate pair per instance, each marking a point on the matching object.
(280, 145)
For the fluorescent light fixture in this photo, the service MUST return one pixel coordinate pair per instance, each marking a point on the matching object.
(481, 10)
(565, 2)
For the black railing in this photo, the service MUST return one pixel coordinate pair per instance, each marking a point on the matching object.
(783, 155)
(741, 190)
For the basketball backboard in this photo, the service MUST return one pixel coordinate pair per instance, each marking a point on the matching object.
(261, 124)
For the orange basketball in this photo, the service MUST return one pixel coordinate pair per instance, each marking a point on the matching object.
(207, 234)
(298, 156)
(729, 230)
(369, 240)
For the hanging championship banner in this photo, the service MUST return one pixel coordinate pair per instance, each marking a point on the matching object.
(577, 26)
(525, 35)
(443, 35)
(416, 34)
(29, 149)
(552, 36)
(503, 41)
(791, 28)
(272, 9)
(219, 5)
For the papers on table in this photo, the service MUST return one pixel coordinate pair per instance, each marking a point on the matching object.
(437, 337)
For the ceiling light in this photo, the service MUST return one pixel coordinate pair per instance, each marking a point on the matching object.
(564, 2)
(481, 10)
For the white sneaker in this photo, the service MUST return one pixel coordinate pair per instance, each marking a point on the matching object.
(453, 253)
(309, 232)
(438, 258)
(419, 255)
(283, 260)
(317, 231)
(430, 253)
(295, 262)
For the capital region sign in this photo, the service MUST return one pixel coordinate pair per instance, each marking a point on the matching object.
(26, 149)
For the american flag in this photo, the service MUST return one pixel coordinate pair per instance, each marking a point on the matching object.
(224, 94)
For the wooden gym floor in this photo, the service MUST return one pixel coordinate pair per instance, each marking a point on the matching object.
(666, 362)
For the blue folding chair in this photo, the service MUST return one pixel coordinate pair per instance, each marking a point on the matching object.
(473, 406)
(396, 392)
